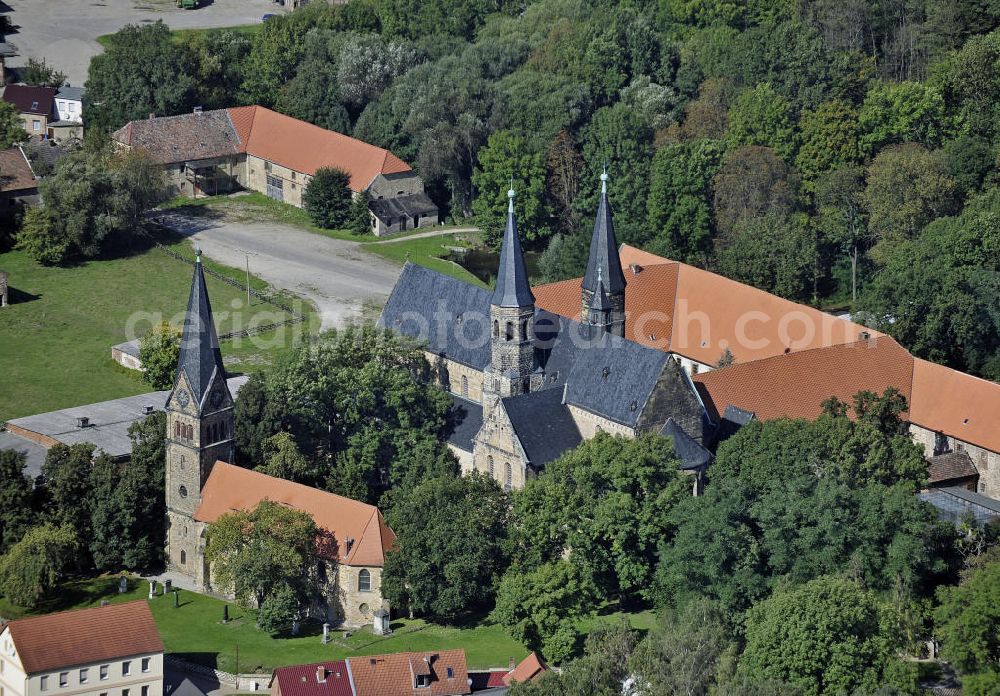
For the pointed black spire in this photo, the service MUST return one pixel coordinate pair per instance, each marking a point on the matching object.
(200, 359)
(604, 249)
(512, 288)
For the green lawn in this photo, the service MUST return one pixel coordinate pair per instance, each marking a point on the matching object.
(195, 631)
(429, 252)
(58, 332)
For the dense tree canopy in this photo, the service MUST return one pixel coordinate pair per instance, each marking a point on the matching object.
(452, 546)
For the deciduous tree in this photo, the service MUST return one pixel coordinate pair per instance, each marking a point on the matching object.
(33, 566)
(15, 498)
(159, 349)
(327, 198)
(451, 546)
(503, 163)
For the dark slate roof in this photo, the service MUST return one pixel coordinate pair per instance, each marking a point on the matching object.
(186, 688)
(173, 139)
(28, 99)
(46, 151)
(68, 92)
(513, 289)
(600, 301)
(415, 204)
(450, 316)
(687, 449)
(200, 358)
(465, 418)
(950, 466)
(34, 453)
(543, 424)
(604, 249)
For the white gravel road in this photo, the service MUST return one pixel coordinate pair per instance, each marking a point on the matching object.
(337, 275)
(65, 31)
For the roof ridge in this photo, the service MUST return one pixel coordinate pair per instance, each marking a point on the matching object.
(291, 483)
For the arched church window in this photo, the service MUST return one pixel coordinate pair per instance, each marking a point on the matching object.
(177, 429)
(489, 464)
(465, 385)
(508, 476)
(510, 331)
(183, 557)
(364, 581)
(496, 329)
(524, 331)
(190, 432)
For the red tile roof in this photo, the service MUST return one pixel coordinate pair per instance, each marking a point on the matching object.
(28, 99)
(789, 357)
(698, 314)
(304, 680)
(394, 675)
(230, 488)
(529, 669)
(85, 636)
(15, 172)
(301, 146)
(796, 385)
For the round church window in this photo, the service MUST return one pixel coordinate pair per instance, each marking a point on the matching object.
(183, 491)
(364, 609)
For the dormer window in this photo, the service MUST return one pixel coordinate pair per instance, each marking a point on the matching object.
(422, 681)
(34, 106)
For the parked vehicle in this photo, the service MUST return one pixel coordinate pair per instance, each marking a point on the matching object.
(268, 16)
(187, 4)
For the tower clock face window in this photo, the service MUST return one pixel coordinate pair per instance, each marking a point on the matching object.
(183, 491)
(183, 398)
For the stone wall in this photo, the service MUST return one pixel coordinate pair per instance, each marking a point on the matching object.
(357, 607)
(186, 547)
(449, 375)
(382, 187)
(293, 182)
(231, 169)
(987, 463)
(497, 452)
(589, 424)
(673, 395)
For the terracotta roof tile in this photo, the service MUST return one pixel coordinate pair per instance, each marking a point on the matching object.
(303, 680)
(84, 636)
(796, 385)
(305, 148)
(948, 467)
(15, 172)
(956, 404)
(529, 669)
(242, 119)
(232, 488)
(394, 675)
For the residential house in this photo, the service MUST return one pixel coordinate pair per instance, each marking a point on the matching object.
(442, 673)
(18, 185)
(108, 650)
(35, 104)
(68, 123)
(251, 147)
(201, 486)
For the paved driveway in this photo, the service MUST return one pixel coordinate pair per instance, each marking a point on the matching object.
(65, 31)
(335, 274)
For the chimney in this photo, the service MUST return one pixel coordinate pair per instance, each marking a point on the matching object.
(348, 543)
(197, 109)
(635, 268)
(83, 422)
(864, 336)
(320, 674)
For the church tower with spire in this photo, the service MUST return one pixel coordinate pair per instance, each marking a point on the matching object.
(199, 429)
(512, 312)
(603, 287)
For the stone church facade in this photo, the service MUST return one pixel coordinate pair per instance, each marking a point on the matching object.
(527, 384)
(201, 486)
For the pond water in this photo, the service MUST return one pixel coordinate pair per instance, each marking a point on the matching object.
(482, 262)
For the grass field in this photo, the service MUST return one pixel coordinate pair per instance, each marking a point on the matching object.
(194, 631)
(58, 332)
(429, 252)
